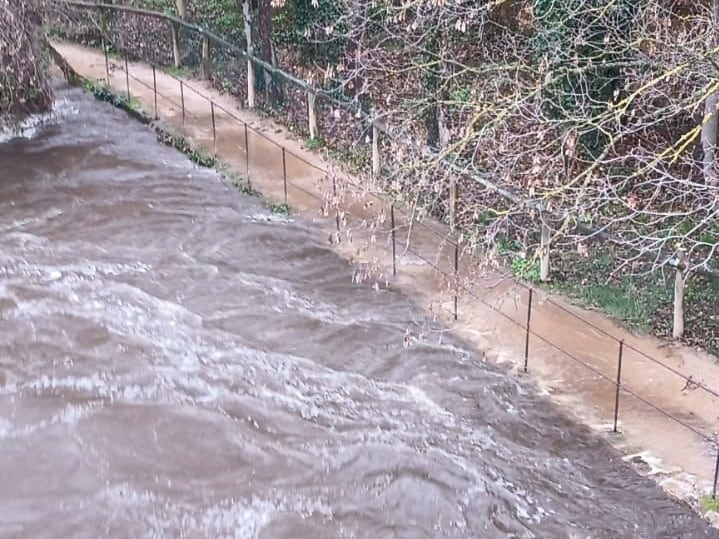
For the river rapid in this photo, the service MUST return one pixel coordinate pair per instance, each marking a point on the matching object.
(176, 361)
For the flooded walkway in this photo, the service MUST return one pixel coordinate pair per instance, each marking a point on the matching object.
(177, 362)
(681, 461)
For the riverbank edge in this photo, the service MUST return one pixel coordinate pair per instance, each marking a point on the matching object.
(675, 485)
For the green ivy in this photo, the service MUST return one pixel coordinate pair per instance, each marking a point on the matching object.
(300, 16)
(577, 39)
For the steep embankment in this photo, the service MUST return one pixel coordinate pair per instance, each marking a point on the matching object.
(24, 62)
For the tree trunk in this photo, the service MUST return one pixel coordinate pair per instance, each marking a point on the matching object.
(264, 30)
(312, 115)
(679, 281)
(376, 163)
(544, 254)
(206, 63)
(176, 52)
(182, 9)
(247, 17)
(711, 117)
(177, 57)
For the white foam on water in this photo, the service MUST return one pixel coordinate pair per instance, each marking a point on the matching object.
(31, 126)
(243, 518)
(264, 217)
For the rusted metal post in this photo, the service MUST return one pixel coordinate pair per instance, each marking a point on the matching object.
(394, 240)
(716, 476)
(107, 61)
(619, 385)
(284, 172)
(456, 278)
(154, 88)
(526, 340)
(247, 155)
(127, 77)
(214, 129)
(337, 210)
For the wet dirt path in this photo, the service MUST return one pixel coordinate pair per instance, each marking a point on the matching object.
(685, 462)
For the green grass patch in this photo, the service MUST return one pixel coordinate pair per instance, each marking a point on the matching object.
(643, 303)
(242, 184)
(526, 269)
(198, 157)
(634, 300)
(280, 209)
(104, 93)
(708, 503)
(315, 143)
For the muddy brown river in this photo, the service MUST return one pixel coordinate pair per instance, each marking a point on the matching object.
(177, 362)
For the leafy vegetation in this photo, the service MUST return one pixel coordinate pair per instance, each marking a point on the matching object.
(280, 209)
(103, 92)
(708, 503)
(315, 143)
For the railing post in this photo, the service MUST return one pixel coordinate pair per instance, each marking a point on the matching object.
(716, 476)
(618, 384)
(376, 163)
(127, 77)
(284, 172)
(394, 240)
(526, 340)
(247, 155)
(214, 129)
(107, 61)
(182, 101)
(456, 278)
(452, 203)
(154, 88)
(337, 210)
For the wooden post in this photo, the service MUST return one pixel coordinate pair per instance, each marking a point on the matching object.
(544, 254)
(679, 281)
(176, 46)
(312, 114)
(247, 18)
(206, 64)
(375, 152)
(452, 203)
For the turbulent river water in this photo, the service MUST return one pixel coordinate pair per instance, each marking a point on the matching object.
(177, 362)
